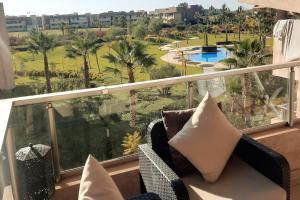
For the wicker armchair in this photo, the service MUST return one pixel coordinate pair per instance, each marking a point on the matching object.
(159, 178)
(146, 196)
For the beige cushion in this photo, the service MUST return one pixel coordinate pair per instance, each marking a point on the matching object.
(239, 181)
(96, 184)
(207, 140)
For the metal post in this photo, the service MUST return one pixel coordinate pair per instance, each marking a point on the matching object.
(2, 181)
(190, 94)
(54, 143)
(10, 147)
(291, 96)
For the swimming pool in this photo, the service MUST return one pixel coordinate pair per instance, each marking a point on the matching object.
(212, 57)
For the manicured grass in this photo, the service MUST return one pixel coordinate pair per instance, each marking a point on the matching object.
(26, 61)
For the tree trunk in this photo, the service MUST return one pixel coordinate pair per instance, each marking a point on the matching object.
(206, 39)
(89, 61)
(239, 34)
(97, 60)
(226, 35)
(132, 99)
(247, 100)
(47, 73)
(86, 72)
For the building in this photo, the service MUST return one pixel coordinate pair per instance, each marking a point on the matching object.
(178, 14)
(74, 20)
(23, 23)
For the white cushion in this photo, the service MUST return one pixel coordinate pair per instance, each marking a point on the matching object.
(96, 184)
(239, 181)
(207, 140)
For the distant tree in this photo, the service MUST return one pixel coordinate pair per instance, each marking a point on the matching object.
(251, 24)
(216, 29)
(155, 26)
(99, 25)
(224, 19)
(62, 27)
(212, 10)
(116, 20)
(130, 55)
(265, 18)
(82, 46)
(39, 42)
(140, 30)
(123, 21)
(183, 5)
(240, 20)
(204, 27)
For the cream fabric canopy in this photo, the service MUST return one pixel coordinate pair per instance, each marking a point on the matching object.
(288, 5)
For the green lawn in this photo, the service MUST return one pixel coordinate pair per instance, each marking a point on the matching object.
(25, 61)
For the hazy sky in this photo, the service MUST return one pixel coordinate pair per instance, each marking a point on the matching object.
(39, 7)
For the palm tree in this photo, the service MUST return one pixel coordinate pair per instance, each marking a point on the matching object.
(225, 19)
(245, 54)
(94, 52)
(130, 55)
(62, 27)
(265, 19)
(240, 20)
(83, 46)
(39, 42)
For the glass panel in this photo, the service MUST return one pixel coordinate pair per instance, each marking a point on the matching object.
(29, 125)
(108, 126)
(5, 180)
(297, 93)
(250, 100)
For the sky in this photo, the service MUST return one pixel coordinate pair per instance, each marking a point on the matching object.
(39, 7)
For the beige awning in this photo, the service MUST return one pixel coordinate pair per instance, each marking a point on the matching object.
(288, 5)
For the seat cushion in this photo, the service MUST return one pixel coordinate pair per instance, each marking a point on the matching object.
(207, 140)
(239, 181)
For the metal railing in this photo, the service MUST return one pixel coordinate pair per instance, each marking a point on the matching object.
(6, 106)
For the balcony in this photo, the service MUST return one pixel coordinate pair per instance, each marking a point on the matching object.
(95, 121)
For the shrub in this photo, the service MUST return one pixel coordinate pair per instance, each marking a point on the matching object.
(165, 71)
(114, 33)
(17, 41)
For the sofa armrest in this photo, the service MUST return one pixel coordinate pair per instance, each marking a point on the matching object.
(146, 196)
(265, 160)
(158, 177)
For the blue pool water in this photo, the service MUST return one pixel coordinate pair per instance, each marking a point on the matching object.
(214, 57)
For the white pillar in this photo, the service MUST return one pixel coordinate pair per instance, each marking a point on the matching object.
(6, 71)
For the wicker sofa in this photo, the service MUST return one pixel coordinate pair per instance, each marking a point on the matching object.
(158, 176)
